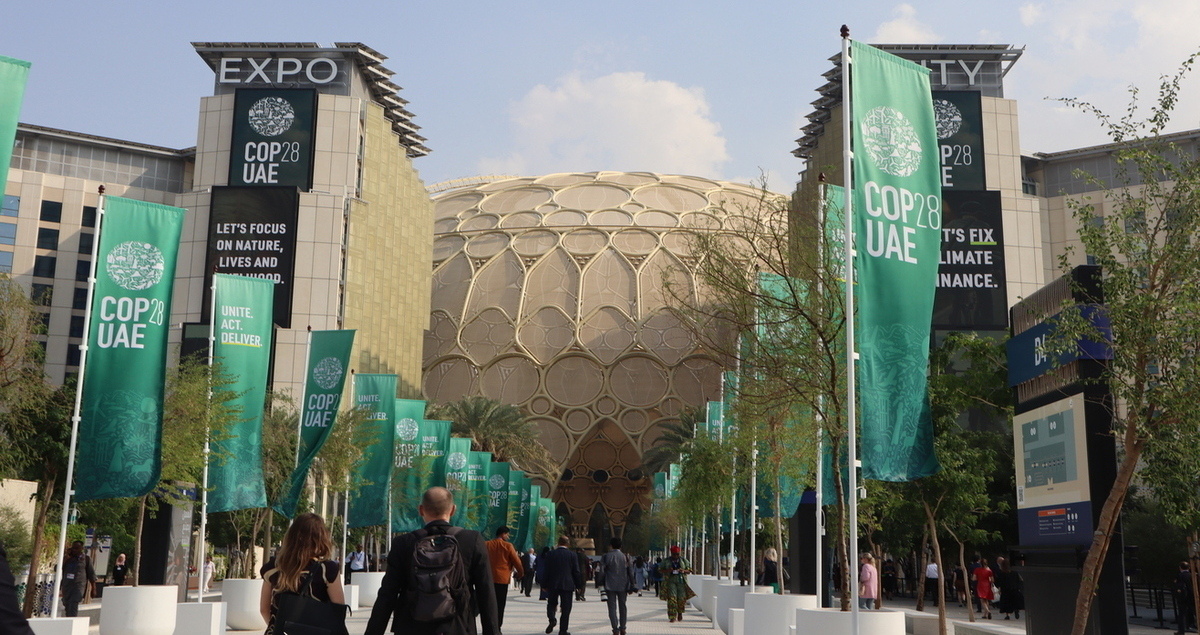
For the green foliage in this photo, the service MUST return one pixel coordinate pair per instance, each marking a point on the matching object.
(1160, 544)
(15, 536)
(501, 429)
(674, 438)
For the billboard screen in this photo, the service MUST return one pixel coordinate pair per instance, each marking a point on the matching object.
(959, 117)
(971, 293)
(252, 232)
(272, 142)
(1054, 504)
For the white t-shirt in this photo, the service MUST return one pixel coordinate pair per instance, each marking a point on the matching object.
(931, 570)
(358, 561)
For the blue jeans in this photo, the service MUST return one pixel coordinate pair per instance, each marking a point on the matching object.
(866, 604)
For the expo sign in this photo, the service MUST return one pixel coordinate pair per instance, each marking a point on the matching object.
(276, 70)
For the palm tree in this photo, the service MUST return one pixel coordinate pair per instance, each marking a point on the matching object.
(501, 429)
(677, 436)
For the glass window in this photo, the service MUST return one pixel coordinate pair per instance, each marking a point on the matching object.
(43, 266)
(51, 211)
(42, 293)
(85, 243)
(10, 205)
(47, 238)
(76, 326)
(80, 299)
(8, 234)
(6, 261)
(89, 216)
(72, 355)
(82, 269)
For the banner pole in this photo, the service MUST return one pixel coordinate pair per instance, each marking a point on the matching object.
(300, 419)
(75, 416)
(346, 502)
(851, 355)
(212, 345)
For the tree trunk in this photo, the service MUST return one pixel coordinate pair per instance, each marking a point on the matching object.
(253, 572)
(45, 496)
(962, 564)
(1192, 562)
(1102, 538)
(843, 535)
(921, 564)
(137, 542)
(937, 557)
(779, 536)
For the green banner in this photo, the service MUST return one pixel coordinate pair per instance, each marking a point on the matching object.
(242, 332)
(518, 507)
(457, 454)
(529, 516)
(673, 472)
(13, 74)
(328, 359)
(369, 493)
(716, 421)
(498, 476)
(417, 471)
(547, 524)
(120, 427)
(478, 499)
(660, 490)
(897, 228)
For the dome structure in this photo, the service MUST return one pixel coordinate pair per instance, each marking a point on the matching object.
(549, 293)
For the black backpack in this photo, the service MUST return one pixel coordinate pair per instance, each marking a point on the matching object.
(438, 590)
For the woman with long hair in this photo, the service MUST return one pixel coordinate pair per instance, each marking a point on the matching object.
(305, 551)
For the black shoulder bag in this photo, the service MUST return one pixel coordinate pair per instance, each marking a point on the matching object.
(300, 613)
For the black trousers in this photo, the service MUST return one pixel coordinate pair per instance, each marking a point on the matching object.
(501, 600)
(527, 584)
(554, 596)
(931, 587)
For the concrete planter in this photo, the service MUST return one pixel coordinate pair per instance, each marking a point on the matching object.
(139, 610)
(737, 622)
(351, 593)
(772, 614)
(710, 599)
(698, 582)
(832, 620)
(368, 586)
(59, 625)
(730, 595)
(200, 618)
(241, 596)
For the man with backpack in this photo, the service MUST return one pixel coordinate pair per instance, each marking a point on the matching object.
(438, 578)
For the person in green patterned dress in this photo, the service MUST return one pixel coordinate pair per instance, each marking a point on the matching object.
(674, 588)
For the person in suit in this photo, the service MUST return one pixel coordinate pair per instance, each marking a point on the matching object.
(560, 577)
(436, 508)
(12, 621)
(616, 574)
(528, 562)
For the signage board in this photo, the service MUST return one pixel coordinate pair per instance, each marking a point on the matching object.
(971, 290)
(1029, 358)
(1053, 484)
(252, 232)
(272, 142)
(959, 118)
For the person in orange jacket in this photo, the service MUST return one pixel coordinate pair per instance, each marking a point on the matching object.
(505, 561)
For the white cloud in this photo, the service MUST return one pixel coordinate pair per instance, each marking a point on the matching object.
(620, 121)
(904, 28)
(1030, 13)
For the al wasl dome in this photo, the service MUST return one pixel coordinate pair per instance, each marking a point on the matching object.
(548, 293)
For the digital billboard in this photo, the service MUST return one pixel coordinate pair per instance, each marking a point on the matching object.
(971, 290)
(959, 118)
(272, 142)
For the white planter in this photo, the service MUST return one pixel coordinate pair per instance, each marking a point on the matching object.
(351, 593)
(59, 625)
(730, 596)
(710, 599)
(832, 620)
(772, 614)
(241, 597)
(698, 582)
(200, 618)
(368, 586)
(139, 610)
(737, 622)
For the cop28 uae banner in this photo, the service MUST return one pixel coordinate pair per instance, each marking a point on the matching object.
(13, 74)
(498, 475)
(369, 496)
(477, 497)
(458, 452)
(242, 331)
(897, 223)
(418, 469)
(328, 359)
(120, 427)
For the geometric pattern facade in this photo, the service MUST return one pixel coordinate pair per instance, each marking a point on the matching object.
(548, 293)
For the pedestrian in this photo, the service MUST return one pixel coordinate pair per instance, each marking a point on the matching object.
(932, 580)
(438, 578)
(585, 567)
(958, 579)
(12, 620)
(868, 582)
(504, 560)
(889, 571)
(207, 570)
(356, 562)
(78, 575)
(639, 575)
(528, 562)
(618, 578)
(675, 589)
(656, 575)
(1012, 591)
(301, 565)
(120, 569)
(983, 587)
(1185, 603)
(769, 576)
(561, 576)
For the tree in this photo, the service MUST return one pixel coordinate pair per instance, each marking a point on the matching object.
(501, 429)
(673, 441)
(1146, 239)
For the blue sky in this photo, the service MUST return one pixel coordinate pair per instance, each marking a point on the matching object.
(714, 89)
